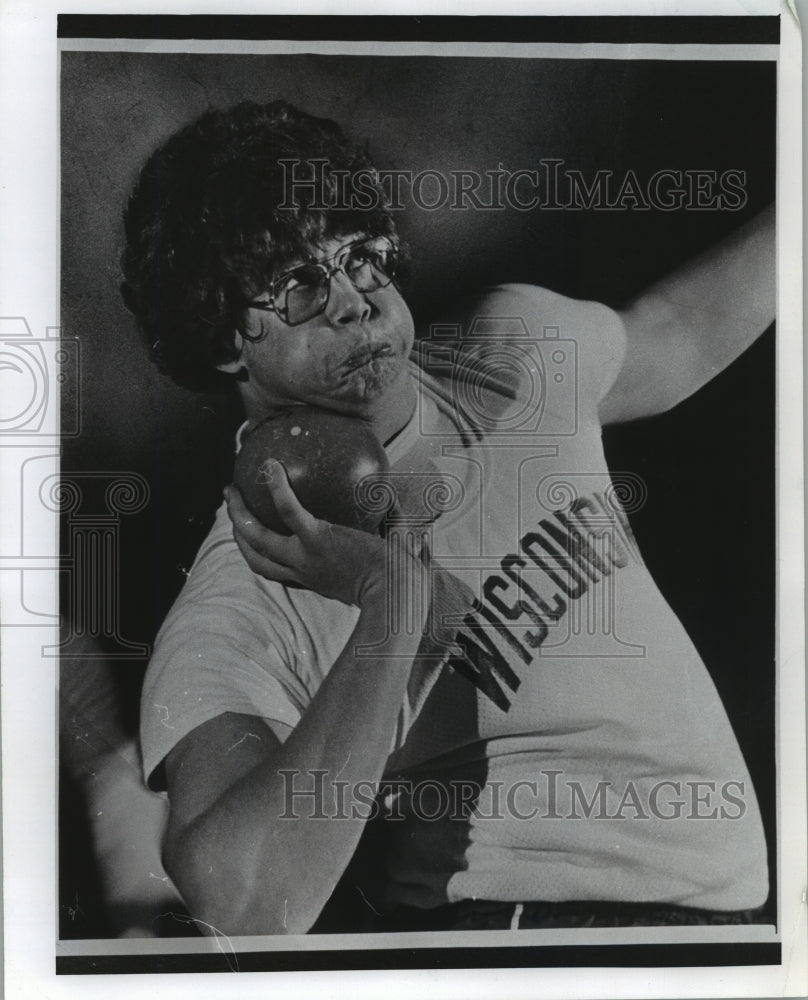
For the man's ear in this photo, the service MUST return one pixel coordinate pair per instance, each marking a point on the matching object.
(236, 366)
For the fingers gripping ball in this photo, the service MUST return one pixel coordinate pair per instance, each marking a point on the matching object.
(335, 464)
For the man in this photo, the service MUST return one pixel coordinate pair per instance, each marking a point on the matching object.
(496, 675)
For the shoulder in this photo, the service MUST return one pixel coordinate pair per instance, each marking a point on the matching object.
(226, 610)
(224, 646)
(542, 310)
(589, 337)
(220, 577)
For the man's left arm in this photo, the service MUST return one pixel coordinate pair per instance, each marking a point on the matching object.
(686, 328)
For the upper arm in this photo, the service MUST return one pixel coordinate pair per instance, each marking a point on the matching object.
(672, 352)
(663, 365)
(209, 761)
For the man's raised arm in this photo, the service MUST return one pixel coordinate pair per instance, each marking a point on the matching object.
(686, 328)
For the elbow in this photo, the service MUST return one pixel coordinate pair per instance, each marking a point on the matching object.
(222, 896)
(216, 901)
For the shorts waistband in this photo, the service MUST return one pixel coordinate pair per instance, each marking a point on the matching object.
(494, 915)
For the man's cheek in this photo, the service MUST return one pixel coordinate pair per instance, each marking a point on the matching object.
(404, 325)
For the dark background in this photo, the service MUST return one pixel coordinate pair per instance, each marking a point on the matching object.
(707, 528)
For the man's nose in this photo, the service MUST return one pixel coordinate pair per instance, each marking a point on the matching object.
(345, 303)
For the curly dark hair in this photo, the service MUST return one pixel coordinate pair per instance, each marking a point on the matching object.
(207, 226)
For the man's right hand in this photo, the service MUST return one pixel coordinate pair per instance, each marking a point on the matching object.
(337, 562)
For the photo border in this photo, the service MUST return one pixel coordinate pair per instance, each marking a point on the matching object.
(24, 696)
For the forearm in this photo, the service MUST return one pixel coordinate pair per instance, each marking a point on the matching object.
(686, 328)
(733, 281)
(246, 865)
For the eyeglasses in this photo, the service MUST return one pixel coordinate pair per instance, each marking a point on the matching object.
(302, 293)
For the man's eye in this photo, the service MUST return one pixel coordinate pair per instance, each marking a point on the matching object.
(362, 256)
(300, 276)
